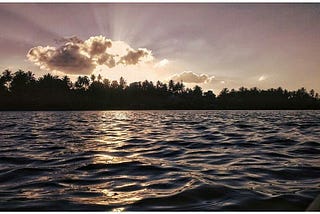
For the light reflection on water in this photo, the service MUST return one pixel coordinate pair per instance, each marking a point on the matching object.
(159, 160)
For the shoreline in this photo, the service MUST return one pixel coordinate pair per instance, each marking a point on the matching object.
(29, 110)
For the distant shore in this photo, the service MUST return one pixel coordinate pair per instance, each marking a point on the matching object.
(21, 91)
(154, 109)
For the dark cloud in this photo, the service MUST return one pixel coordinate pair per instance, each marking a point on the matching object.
(133, 57)
(66, 59)
(73, 39)
(106, 59)
(76, 56)
(190, 77)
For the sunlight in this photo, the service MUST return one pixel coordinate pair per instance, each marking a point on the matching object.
(162, 63)
(109, 144)
(114, 21)
(262, 78)
(119, 209)
(112, 198)
(110, 129)
(108, 159)
(108, 106)
(124, 197)
(121, 115)
(127, 32)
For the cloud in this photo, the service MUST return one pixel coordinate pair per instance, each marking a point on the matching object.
(133, 57)
(106, 59)
(67, 58)
(97, 45)
(73, 39)
(262, 78)
(190, 77)
(162, 63)
(76, 56)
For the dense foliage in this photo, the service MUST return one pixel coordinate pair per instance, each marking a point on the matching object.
(22, 91)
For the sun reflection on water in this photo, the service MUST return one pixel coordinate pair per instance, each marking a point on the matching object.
(119, 209)
(114, 134)
(120, 161)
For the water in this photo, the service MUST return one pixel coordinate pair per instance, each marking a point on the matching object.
(159, 160)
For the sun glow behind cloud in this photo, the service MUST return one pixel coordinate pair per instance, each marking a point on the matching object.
(162, 63)
(262, 78)
(217, 40)
(115, 23)
(111, 59)
(191, 77)
(82, 57)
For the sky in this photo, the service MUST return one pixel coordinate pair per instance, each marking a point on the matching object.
(214, 45)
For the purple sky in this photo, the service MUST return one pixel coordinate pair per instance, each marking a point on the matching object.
(263, 45)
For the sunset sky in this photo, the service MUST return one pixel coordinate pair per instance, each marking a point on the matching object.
(212, 45)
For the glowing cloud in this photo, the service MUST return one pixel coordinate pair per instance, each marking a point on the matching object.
(76, 56)
(262, 78)
(162, 63)
(190, 77)
(97, 45)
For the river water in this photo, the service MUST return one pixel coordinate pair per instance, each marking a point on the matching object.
(159, 160)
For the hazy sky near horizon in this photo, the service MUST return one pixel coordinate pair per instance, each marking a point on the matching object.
(213, 45)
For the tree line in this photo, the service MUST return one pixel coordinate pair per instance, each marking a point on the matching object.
(22, 91)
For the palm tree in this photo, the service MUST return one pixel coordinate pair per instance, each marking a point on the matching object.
(22, 81)
(159, 85)
(210, 94)
(79, 83)
(114, 84)
(86, 81)
(66, 81)
(122, 83)
(225, 91)
(171, 85)
(7, 75)
(5, 79)
(82, 82)
(312, 93)
(106, 83)
(93, 77)
(197, 90)
(99, 78)
(179, 87)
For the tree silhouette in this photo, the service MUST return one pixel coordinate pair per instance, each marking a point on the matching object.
(4, 81)
(114, 84)
(22, 91)
(99, 78)
(122, 83)
(197, 91)
(93, 77)
(82, 83)
(66, 82)
(22, 82)
(179, 87)
(171, 85)
(106, 83)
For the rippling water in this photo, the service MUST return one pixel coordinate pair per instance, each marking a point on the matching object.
(159, 160)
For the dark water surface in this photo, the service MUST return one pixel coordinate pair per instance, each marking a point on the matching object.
(159, 160)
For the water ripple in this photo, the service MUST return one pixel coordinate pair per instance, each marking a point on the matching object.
(159, 160)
